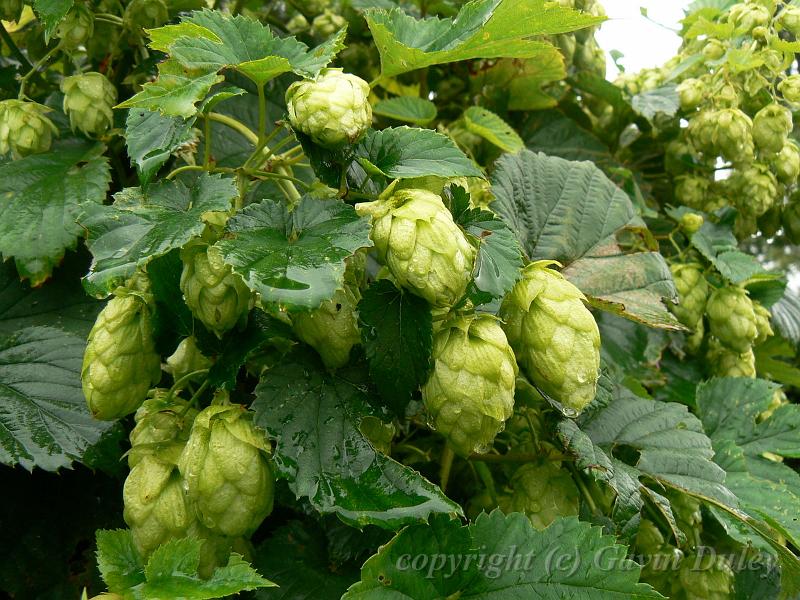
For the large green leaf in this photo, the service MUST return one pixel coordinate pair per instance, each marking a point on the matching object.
(570, 212)
(44, 421)
(660, 101)
(40, 198)
(786, 316)
(492, 128)
(482, 29)
(294, 258)
(406, 152)
(397, 332)
(207, 42)
(51, 12)
(152, 137)
(717, 243)
(499, 557)
(409, 109)
(142, 225)
(314, 418)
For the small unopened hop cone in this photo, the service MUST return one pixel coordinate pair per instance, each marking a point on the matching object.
(120, 363)
(555, 337)
(470, 393)
(88, 101)
(226, 469)
(417, 239)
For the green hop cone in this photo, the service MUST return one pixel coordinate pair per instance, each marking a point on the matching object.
(554, 336)
(732, 318)
(763, 323)
(333, 109)
(25, 128)
(727, 132)
(325, 25)
(786, 163)
(417, 239)
(226, 470)
(692, 190)
(217, 296)
(754, 188)
(679, 157)
(771, 127)
(691, 93)
(163, 423)
(297, 24)
(543, 492)
(120, 362)
(76, 28)
(187, 359)
(691, 223)
(692, 292)
(789, 19)
(145, 14)
(88, 100)
(10, 10)
(747, 16)
(332, 329)
(770, 222)
(714, 49)
(703, 577)
(790, 89)
(470, 393)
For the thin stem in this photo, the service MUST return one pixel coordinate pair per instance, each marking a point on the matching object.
(177, 385)
(518, 458)
(207, 141)
(262, 113)
(447, 463)
(109, 17)
(236, 125)
(199, 391)
(34, 69)
(105, 19)
(274, 175)
(486, 477)
(14, 49)
(186, 168)
(587, 495)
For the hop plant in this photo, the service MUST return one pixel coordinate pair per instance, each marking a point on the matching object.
(120, 362)
(786, 163)
(543, 492)
(703, 577)
(692, 293)
(10, 10)
(76, 28)
(216, 296)
(771, 127)
(88, 100)
(297, 24)
(790, 87)
(326, 24)
(417, 239)
(730, 363)
(754, 189)
(187, 359)
(727, 132)
(789, 19)
(747, 16)
(145, 14)
(692, 191)
(333, 109)
(331, 329)
(692, 93)
(24, 128)
(691, 222)
(226, 470)
(763, 323)
(732, 318)
(470, 393)
(554, 335)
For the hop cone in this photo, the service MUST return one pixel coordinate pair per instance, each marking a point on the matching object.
(754, 189)
(216, 296)
(692, 222)
(726, 132)
(730, 363)
(156, 508)
(226, 471)
(763, 323)
(789, 19)
(790, 87)
(692, 191)
(543, 492)
(88, 100)
(554, 335)
(331, 329)
(145, 14)
(24, 128)
(326, 24)
(10, 10)
(747, 16)
(120, 363)
(470, 392)
(771, 127)
(691, 93)
(186, 359)
(426, 252)
(76, 28)
(786, 163)
(705, 577)
(692, 291)
(732, 318)
(333, 109)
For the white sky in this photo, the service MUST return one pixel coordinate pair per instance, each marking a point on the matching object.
(643, 43)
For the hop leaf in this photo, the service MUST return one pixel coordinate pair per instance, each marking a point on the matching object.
(554, 335)
(732, 318)
(226, 471)
(419, 242)
(543, 492)
(88, 100)
(24, 128)
(120, 363)
(470, 392)
(216, 296)
(333, 109)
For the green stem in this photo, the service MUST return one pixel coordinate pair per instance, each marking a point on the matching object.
(199, 391)
(262, 113)
(486, 477)
(4, 35)
(177, 385)
(281, 176)
(186, 168)
(109, 17)
(447, 464)
(34, 69)
(517, 458)
(236, 125)
(587, 495)
(103, 19)
(207, 141)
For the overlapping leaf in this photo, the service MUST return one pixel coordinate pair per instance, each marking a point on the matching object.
(40, 199)
(409, 109)
(142, 225)
(492, 128)
(152, 137)
(482, 29)
(717, 243)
